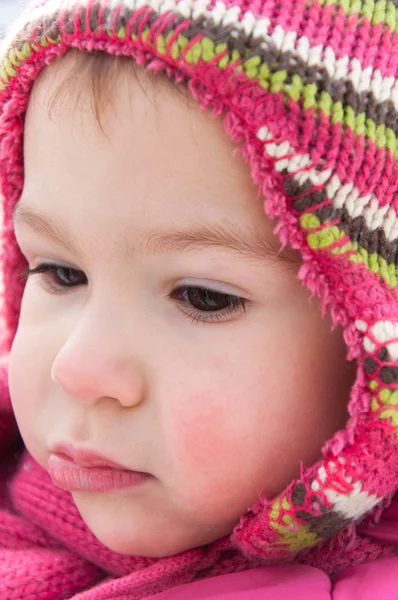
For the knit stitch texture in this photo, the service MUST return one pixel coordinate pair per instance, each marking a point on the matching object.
(309, 89)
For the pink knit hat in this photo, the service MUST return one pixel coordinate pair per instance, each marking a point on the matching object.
(310, 90)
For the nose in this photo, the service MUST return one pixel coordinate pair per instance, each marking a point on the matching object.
(97, 361)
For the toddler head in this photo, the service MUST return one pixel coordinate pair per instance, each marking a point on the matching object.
(168, 366)
(175, 336)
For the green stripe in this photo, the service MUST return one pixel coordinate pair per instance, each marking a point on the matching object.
(328, 235)
(385, 404)
(381, 11)
(15, 58)
(296, 536)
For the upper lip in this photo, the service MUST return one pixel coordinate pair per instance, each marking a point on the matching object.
(86, 457)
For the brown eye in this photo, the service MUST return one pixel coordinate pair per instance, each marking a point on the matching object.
(67, 277)
(57, 277)
(203, 304)
(208, 300)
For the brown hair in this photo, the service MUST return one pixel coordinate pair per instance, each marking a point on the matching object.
(99, 72)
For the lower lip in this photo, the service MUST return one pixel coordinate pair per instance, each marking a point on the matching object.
(74, 477)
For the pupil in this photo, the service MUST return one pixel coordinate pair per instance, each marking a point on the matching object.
(207, 300)
(67, 276)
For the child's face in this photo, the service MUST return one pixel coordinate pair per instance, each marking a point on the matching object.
(215, 402)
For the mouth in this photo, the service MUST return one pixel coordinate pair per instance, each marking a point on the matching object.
(74, 469)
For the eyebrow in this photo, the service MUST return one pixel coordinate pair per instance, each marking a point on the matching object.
(230, 237)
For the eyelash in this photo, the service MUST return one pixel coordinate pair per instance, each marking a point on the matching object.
(183, 294)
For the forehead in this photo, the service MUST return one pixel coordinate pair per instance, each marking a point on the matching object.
(159, 160)
(149, 132)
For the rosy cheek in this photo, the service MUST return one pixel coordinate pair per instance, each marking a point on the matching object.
(199, 429)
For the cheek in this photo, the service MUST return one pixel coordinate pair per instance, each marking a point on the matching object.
(207, 416)
(200, 430)
(215, 446)
(21, 372)
(223, 421)
(34, 348)
(29, 381)
(22, 382)
(202, 443)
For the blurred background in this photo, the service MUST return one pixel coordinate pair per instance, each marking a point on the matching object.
(9, 9)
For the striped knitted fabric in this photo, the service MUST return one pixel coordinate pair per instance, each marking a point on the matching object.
(309, 88)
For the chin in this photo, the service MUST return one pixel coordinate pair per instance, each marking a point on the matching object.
(142, 548)
(144, 542)
(135, 535)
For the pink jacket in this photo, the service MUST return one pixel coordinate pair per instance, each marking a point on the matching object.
(378, 579)
(295, 582)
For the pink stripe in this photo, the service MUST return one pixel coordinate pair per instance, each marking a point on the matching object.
(374, 45)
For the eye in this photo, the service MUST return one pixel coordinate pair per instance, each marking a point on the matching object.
(56, 278)
(209, 305)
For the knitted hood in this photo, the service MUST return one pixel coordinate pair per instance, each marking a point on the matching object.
(310, 91)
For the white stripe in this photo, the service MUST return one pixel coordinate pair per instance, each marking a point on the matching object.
(363, 79)
(130, 4)
(361, 325)
(343, 196)
(264, 134)
(127, 3)
(368, 345)
(322, 474)
(277, 150)
(354, 504)
(393, 350)
(317, 177)
(384, 331)
(199, 9)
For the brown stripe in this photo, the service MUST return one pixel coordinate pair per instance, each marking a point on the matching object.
(389, 374)
(307, 198)
(94, 17)
(370, 365)
(83, 12)
(299, 494)
(311, 199)
(324, 526)
(372, 241)
(383, 354)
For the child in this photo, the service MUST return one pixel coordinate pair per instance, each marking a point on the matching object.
(186, 410)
